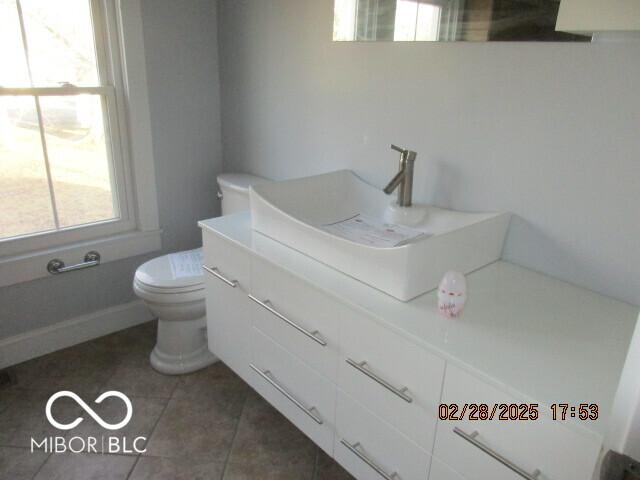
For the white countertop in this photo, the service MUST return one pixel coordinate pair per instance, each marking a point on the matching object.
(539, 338)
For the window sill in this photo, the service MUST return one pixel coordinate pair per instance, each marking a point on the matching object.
(33, 265)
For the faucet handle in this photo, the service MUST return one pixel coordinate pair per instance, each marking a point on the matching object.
(406, 155)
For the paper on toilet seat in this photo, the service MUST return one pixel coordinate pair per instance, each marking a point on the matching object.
(186, 264)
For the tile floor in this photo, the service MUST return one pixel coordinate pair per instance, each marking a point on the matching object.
(208, 425)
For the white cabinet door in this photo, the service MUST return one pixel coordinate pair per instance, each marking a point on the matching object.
(557, 450)
(230, 314)
(394, 378)
(226, 260)
(440, 471)
(229, 319)
(370, 449)
(299, 393)
(297, 315)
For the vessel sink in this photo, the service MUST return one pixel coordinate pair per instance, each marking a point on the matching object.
(297, 213)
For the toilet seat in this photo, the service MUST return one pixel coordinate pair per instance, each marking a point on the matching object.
(157, 275)
(155, 281)
(168, 296)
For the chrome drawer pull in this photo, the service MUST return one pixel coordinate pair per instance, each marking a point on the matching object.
(379, 470)
(269, 378)
(473, 440)
(401, 392)
(216, 273)
(312, 335)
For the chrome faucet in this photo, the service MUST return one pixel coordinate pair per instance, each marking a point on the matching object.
(404, 178)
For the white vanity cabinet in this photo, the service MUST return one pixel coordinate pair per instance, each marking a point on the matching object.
(330, 370)
(363, 374)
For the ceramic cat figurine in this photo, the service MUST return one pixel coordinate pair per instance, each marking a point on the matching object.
(452, 294)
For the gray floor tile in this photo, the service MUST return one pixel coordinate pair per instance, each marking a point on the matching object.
(85, 466)
(328, 469)
(136, 357)
(265, 437)
(141, 336)
(146, 413)
(130, 347)
(141, 381)
(6, 397)
(25, 417)
(20, 463)
(81, 369)
(202, 429)
(155, 468)
(204, 383)
(242, 471)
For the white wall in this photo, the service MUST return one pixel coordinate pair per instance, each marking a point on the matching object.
(548, 131)
(182, 70)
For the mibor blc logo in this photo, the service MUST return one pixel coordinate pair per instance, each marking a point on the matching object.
(89, 410)
(91, 444)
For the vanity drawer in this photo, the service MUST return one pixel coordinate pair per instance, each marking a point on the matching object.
(297, 315)
(559, 452)
(229, 319)
(399, 382)
(369, 448)
(299, 393)
(440, 471)
(227, 262)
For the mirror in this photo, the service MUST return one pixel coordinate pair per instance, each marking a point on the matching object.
(449, 20)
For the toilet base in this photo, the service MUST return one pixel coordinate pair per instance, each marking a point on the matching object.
(172, 365)
(181, 347)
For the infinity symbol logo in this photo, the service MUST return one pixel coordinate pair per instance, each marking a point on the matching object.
(89, 410)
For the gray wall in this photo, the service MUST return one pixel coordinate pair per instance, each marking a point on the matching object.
(182, 70)
(547, 131)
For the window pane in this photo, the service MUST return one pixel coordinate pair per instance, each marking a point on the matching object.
(60, 42)
(78, 158)
(13, 64)
(25, 204)
(344, 23)
(428, 24)
(406, 17)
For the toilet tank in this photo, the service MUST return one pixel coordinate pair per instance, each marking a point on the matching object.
(233, 189)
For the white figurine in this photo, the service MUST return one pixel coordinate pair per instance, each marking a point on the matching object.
(452, 294)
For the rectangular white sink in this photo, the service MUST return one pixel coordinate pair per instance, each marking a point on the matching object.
(293, 212)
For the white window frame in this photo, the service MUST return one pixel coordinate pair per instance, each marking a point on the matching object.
(120, 48)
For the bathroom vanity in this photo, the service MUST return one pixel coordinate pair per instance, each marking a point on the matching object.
(364, 375)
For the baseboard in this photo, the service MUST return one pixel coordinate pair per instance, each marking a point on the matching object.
(35, 343)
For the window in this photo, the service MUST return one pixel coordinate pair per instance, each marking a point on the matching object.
(417, 21)
(427, 20)
(59, 141)
(396, 20)
(66, 116)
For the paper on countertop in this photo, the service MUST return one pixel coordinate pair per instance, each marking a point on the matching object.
(371, 231)
(186, 264)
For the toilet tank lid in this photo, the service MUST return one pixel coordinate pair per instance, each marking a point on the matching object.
(239, 181)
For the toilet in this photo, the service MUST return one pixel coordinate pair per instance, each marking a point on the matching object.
(172, 287)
